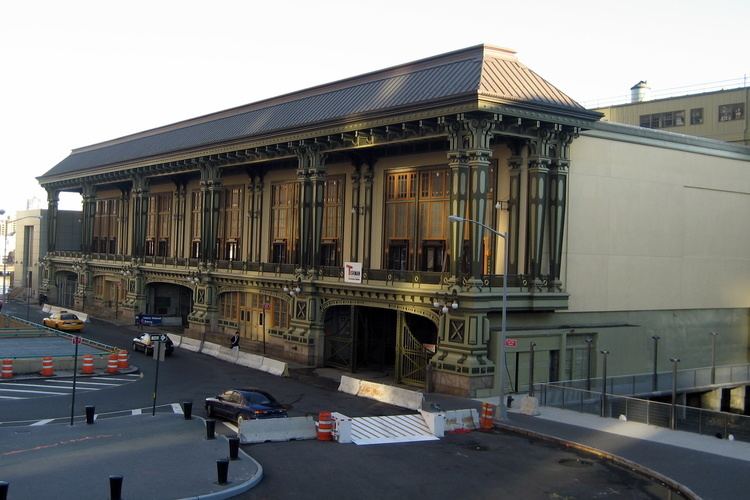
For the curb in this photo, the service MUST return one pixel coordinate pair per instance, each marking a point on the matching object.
(624, 462)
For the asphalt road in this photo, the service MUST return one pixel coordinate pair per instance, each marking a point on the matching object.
(475, 465)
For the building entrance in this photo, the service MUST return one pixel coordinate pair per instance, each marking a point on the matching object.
(398, 344)
(169, 301)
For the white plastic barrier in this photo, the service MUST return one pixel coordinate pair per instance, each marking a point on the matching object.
(342, 428)
(391, 395)
(461, 420)
(210, 349)
(435, 422)
(275, 367)
(176, 339)
(277, 429)
(250, 360)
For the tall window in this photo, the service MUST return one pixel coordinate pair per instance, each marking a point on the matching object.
(159, 224)
(333, 222)
(196, 222)
(416, 219)
(229, 233)
(696, 116)
(106, 226)
(284, 222)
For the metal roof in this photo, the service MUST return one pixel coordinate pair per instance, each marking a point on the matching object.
(482, 70)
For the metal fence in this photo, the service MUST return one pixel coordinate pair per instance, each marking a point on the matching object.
(686, 418)
(646, 383)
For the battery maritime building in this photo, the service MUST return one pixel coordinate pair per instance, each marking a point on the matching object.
(317, 224)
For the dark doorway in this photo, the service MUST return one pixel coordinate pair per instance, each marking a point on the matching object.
(360, 338)
(172, 302)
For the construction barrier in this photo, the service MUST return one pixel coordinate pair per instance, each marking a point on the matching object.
(325, 426)
(122, 359)
(48, 368)
(262, 430)
(88, 364)
(7, 368)
(486, 416)
(112, 364)
(342, 428)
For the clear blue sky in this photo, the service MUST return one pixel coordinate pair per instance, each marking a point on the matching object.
(80, 72)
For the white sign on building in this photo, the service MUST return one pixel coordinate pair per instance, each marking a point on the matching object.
(352, 272)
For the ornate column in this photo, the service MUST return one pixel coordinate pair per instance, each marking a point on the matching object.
(211, 194)
(480, 134)
(311, 178)
(122, 222)
(257, 213)
(539, 162)
(558, 188)
(203, 317)
(89, 212)
(459, 188)
(139, 193)
(367, 174)
(356, 214)
(514, 207)
(52, 200)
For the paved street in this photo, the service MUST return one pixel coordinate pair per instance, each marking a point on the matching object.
(475, 465)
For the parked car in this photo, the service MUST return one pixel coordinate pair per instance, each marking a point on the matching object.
(65, 321)
(146, 344)
(239, 405)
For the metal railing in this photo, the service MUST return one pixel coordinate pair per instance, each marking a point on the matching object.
(643, 383)
(686, 418)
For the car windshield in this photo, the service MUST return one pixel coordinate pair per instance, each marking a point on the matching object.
(68, 316)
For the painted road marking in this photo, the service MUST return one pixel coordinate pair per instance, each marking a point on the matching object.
(48, 386)
(177, 408)
(42, 422)
(82, 382)
(10, 397)
(35, 392)
(112, 378)
(137, 411)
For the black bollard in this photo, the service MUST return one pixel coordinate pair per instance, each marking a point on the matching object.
(4, 490)
(222, 470)
(90, 410)
(115, 487)
(509, 399)
(187, 409)
(234, 447)
(210, 428)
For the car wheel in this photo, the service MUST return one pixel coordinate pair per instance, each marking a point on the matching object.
(241, 419)
(135, 347)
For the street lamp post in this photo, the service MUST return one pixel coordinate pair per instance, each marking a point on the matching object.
(655, 378)
(499, 379)
(674, 392)
(713, 357)
(604, 353)
(589, 345)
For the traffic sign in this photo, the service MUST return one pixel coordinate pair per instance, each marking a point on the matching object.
(76, 340)
(158, 338)
(511, 343)
(266, 305)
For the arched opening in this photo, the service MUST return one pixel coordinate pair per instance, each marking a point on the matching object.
(380, 342)
(172, 303)
(66, 283)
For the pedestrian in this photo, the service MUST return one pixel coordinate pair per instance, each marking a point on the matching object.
(235, 341)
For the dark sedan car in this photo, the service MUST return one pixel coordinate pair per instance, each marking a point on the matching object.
(146, 344)
(244, 404)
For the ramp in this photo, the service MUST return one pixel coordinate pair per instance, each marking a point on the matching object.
(391, 429)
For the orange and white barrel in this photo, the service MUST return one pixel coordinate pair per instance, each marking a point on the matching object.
(122, 359)
(48, 368)
(487, 416)
(7, 368)
(325, 426)
(112, 364)
(88, 364)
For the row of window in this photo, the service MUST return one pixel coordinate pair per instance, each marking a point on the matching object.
(726, 112)
(415, 225)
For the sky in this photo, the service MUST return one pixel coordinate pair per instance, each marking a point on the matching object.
(78, 72)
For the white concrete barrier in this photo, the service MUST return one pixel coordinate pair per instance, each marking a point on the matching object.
(191, 344)
(275, 367)
(435, 422)
(250, 360)
(391, 395)
(461, 420)
(210, 349)
(349, 385)
(176, 339)
(277, 429)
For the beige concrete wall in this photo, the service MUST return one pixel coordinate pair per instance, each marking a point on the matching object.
(655, 228)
